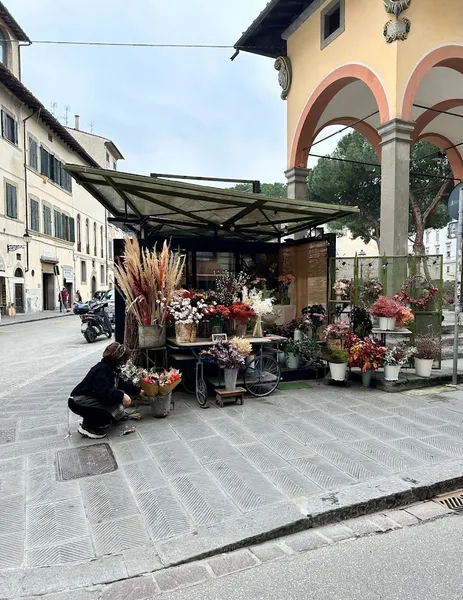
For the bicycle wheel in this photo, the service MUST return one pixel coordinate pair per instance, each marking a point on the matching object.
(201, 392)
(262, 376)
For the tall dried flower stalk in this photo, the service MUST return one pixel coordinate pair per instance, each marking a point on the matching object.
(148, 281)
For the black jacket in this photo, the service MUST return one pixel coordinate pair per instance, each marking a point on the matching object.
(103, 384)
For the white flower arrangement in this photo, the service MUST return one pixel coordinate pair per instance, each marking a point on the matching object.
(261, 306)
(184, 312)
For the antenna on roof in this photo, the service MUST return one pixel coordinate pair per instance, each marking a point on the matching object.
(92, 126)
(67, 110)
(53, 107)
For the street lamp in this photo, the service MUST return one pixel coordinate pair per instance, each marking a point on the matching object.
(27, 240)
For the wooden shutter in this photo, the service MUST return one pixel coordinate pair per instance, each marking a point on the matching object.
(72, 230)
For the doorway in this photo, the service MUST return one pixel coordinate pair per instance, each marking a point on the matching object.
(19, 292)
(93, 286)
(48, 287)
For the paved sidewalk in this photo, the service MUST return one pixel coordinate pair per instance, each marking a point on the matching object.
(204, 481)
(32, 317)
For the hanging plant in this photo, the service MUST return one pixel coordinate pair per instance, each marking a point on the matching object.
(418, 283)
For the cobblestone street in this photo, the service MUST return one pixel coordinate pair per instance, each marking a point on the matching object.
(199, 481)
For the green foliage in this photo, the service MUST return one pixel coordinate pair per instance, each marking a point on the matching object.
(362, 324)
(277, 189)
(336, 355)
(350, 184)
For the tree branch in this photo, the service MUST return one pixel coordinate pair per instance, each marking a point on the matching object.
(436, 201)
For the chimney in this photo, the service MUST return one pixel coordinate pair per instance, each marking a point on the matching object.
(76, 122)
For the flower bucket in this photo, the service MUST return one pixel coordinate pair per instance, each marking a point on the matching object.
(391, 372)
(366, 378)
(150, 389)
(151, 336)
(292, 361)
(160, 406)
(423, 367)
(297, 335)
(257, 332)
(386, 324)
(338, 371)
(185, 333)
(241, 328)
(230, 376)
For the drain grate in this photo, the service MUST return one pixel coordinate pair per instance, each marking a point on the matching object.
(75, 463)
(453, 501)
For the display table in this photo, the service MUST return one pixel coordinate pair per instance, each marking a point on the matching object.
(383, 333)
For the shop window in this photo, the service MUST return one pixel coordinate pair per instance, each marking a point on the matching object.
(332, 22)
(11, 198)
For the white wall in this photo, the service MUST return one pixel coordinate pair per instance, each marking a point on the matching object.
(438, 241)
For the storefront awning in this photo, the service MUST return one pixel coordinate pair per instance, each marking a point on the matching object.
(178, 209)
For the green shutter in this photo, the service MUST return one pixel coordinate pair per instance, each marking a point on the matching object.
(72, 230)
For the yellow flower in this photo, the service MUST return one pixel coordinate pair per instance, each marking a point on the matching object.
(241, 345)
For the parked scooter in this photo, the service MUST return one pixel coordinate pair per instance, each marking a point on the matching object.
(96, 322)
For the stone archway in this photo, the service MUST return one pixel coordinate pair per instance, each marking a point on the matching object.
(309, 121)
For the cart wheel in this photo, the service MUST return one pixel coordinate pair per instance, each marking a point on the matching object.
(262, 376)
(201, 392)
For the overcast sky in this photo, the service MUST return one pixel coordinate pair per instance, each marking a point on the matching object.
(170, 110)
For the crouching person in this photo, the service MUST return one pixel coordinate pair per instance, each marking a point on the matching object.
(101, 397)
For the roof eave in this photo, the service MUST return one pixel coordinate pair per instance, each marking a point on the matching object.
(13, 25)
(111, 146)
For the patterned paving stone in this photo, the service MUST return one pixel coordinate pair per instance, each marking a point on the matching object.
(455, 431)
(12, 483)
(130, 451)
(107, 497)
(163, 514)
(248, 488)
(351, 462)
(43, 488)
(292, 483)
(416, 416)
(7, 436)
(75, 551)
(286, 446)
(192, 428)
(371, 412)
(385, 455)
(144, 475)
(332, 408)
(407, 428)
(332, 425)
(112, 537)
(212, 449)
(305, 433)
(151, 434)
(204, 500)
(54, 524)
(232, 432)
(38, 433)
(12, 514)
(451, 416)
(258, 425)
(11, 550)
(11, 465)
(374, 428)
(322, 472)
(175, 459)
(32, 447)
(419, 450)
(262, 457)
(445, 444)
(27, 423)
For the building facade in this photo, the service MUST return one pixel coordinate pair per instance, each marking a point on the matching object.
(443, 241)
(52, 232)
(391, 69)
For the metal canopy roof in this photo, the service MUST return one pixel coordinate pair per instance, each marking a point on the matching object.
(186, 210)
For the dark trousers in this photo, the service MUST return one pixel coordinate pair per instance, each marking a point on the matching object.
(94, 418)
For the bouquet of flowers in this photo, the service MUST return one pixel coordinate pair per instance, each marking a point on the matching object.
(241, 312)
(371, 291)
(228, 287)
(149, 382)
(186, 310)
(337, 331)
(316, 316)
(404, 316)
(130, 373)
(385, 307)
(366, 354)
(261, 306)
(243, 346)
(285, 281)
(224, 355)
(399, 355)
(216, 312)
(168, 380)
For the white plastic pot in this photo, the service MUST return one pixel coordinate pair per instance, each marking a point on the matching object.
(297, 335)
(391, 372)
(386, 324)
(338, 371)
(423, 367)
(292, 361)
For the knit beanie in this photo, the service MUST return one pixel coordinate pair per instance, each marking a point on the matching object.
(116, 352)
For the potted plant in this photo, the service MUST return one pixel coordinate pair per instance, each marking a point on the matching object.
(216, 314)
(366, 354)
(387, 309)
(336, 334)
(427, 351)
(337, 360)
(309, 350)
(293, 354)
(395, 359)
(361, 323)
(404, 316)
(315, 316)
(148, 282)
(226, 357)
(186, 311)
(340, 289)
(241, 312)
(285, 282)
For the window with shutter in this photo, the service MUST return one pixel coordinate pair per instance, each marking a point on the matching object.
(58, 225)
(35, 215)
(11, 201)
(72, 230)
(10, 129)
(33, 154)
(44, 162)
(47, 228)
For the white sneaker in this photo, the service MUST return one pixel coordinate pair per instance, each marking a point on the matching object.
(94, 434)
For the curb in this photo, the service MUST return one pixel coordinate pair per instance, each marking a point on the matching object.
(45, 318)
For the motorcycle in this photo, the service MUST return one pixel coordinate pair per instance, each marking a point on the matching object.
(82, 308)
(96, 322)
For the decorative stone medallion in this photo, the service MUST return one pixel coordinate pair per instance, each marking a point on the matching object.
(397, 30)
(395, 7)
(283, 66)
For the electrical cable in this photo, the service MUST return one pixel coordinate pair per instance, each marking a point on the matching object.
(341, 130)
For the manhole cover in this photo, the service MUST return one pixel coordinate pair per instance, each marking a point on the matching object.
(454, 501)
(75, 463)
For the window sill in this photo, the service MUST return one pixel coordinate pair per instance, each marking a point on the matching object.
(11, 143)
(326, 42)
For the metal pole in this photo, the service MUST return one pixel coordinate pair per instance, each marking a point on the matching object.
(457, 299)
